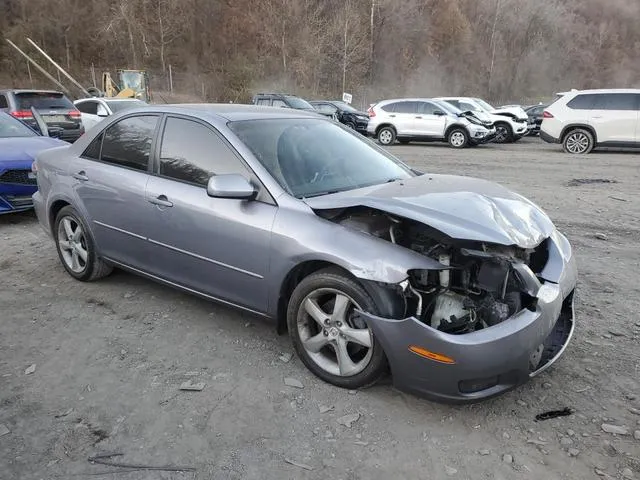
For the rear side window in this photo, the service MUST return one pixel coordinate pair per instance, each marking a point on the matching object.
(93, 150)
(43, 101)
(406, 107)
(88, 107)
(583, 102)
(128, 142)
(3, 101)
(193, 153)
(391, 107)
(616, 101)
(263, 101)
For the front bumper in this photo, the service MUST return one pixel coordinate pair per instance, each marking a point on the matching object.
(484, 135)
(488, 362)
(16, 198)
(520, 128)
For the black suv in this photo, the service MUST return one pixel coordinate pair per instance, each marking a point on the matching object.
(344, 113)
(281, 100)
(534, 114)
(55, 108)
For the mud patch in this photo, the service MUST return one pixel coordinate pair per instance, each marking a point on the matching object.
(576, 182)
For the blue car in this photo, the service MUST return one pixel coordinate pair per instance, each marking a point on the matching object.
(19, 146)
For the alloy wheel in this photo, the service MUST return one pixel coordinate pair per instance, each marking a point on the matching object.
(73, 244)
(501, 134)
(577, 142)
(385, 137)
(457, 139)
(334, 340)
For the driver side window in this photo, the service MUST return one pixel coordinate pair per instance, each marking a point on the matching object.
(192, 152)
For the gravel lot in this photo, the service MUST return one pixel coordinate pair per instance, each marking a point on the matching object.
(110, 356)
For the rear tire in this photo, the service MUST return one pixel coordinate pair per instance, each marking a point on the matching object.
(318, 339)
(351, 125)
(504, 133)
(578, 141)
(76, 248)
(458, 137)
(387, 136)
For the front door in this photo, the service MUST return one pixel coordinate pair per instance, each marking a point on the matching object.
(109, 182)
(615, 117)
(215, 246)
(427, 123)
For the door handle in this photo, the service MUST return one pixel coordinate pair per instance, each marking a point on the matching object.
(597, 116)
(418, 117)
(161, 200)
(392, 116)
(81, 175)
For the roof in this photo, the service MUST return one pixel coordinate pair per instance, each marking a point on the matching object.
(232, 111)
(110, 99)
(21, 90)
(603, 90)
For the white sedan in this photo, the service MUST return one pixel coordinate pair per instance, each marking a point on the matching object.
(93, 110)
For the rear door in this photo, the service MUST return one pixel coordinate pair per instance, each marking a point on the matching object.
(216, 246)
(427, 123)
(109, 182)
(615, 117)
(402, 115)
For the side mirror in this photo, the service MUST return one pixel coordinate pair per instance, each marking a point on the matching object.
(231, 185)
(439, 113)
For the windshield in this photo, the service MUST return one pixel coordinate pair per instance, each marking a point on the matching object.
(299, 103)
(484, 104)
(346, 107)
(43, 101)
(10, 127)
(119, 105)
(312, 157)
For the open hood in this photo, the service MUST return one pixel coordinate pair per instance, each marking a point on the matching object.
(463, 208)
(517, 112)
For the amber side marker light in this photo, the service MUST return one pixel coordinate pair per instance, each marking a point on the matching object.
(438, 357)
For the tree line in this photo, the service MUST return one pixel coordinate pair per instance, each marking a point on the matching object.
(226, 50)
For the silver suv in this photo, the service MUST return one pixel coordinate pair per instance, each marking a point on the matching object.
(426, 120)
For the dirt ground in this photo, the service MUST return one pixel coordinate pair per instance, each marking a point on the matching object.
(110, 356)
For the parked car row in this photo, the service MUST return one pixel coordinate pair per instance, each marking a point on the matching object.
(65, 119)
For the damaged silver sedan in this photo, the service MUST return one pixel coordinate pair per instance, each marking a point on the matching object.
(457, 286)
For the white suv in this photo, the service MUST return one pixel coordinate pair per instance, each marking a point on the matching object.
(511, 122)
(425, 120)
(583, 119)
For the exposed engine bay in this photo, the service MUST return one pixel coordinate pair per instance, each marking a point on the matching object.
(479, 285)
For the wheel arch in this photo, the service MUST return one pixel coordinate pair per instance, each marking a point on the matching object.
(383, 125)
(54, 209)
(450, 128)
(388, 297)
(575, 126)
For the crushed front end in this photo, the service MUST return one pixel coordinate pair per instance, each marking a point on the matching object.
(487, 320)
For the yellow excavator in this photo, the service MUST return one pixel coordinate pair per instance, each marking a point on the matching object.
(129, 84)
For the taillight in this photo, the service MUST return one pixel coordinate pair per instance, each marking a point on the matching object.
(22, 114)
(546, 114)
(75, 114)
(371, 112)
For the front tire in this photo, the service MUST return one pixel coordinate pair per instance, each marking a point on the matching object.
(458, 138)
(578, 141)
(504, 133)
(335, 345)
(76, 248)
(387, 136)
